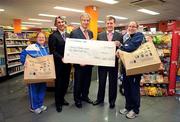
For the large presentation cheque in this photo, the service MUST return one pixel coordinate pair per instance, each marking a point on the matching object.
(90, 52)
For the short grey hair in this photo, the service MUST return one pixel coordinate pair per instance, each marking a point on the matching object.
(85, 15)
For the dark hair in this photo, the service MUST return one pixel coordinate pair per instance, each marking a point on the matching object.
(59, 17)
(110, 18)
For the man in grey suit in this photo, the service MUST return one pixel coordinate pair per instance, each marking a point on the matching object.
(82, 74)
(108, 35)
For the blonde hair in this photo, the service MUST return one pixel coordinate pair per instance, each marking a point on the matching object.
(85, 15)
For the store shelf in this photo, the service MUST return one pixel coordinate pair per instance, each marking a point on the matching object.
(14, 65)
(15, 72)
(16, 45)
(17, 39)
(13, 53)
(14, 59)
(156, 83)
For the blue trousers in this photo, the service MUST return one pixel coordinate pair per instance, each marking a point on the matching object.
(132, 92)
(36, 94)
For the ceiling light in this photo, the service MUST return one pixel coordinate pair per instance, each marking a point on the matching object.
(39, 20)
(108, 1)
(33, 23)
(68, 9)
(99, 21)
(118, 17)
(28, 25)
(2, 10)
(75, 23)
(47, 15)
(148, 11)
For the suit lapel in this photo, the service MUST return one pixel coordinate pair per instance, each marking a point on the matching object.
(114, 36)
(67, 35)
(105, 36)
(81, 34)
(58, 36)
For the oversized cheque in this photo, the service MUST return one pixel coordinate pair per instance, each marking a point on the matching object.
(90, 52)
(145, 59)
(40, 69)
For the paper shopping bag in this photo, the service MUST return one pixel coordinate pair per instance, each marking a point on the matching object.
(143, 60)
(40, 69)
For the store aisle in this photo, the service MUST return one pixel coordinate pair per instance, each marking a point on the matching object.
(14, 107)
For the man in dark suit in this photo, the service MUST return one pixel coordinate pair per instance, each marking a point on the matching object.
(82, 72)
(56, 46)
(108, 35)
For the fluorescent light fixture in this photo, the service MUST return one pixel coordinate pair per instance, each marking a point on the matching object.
(148, 11)
(32, 23)
(9, 27)
(68, 9)
(75, 23)
(40, 20)
(108, 1)
(118, 17)
(47, 15)
(99, 21)
(28, 25)
(2, 10)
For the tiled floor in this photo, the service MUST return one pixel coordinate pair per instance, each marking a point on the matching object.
(14, 107)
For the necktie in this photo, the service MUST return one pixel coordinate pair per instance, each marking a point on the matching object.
(110, 35)
(63, 36)
(86, 34)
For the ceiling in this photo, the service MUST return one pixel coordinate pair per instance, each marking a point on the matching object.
(24, 9)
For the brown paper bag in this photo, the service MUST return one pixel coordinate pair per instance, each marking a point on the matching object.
(40, 69)
(145, 59)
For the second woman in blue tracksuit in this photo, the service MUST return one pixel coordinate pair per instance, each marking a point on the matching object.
(36, 90)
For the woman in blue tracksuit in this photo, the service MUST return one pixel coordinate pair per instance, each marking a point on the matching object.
(131, 41)
(36, 90)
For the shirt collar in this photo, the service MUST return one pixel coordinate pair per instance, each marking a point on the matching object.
(82, 29)
(61, 32)
(111, 32)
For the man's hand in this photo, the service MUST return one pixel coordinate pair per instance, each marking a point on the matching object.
(117, 43)
(82, 65)
(63, 61)
(119, 53)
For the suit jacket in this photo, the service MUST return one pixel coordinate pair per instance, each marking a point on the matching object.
(116, 37)
(78, 34)
(56, 45)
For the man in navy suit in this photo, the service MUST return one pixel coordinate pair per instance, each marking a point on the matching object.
(56, 46)
(82, 74)
(108, 35)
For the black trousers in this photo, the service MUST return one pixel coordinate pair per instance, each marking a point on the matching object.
(62, 81)
(132, 92)
(113, 75)
(82, 81)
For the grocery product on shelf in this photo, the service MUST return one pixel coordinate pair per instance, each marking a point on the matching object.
(2, 55)
(156, 83)
(15, 43)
